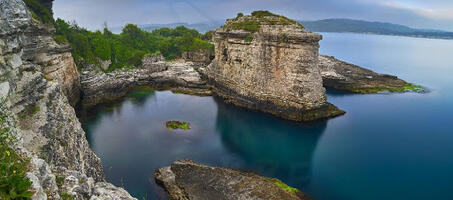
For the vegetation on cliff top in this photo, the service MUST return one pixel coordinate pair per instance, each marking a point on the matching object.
(13, 183)
(123, 50)
(39, 11)
(253, 22)
(128, 48)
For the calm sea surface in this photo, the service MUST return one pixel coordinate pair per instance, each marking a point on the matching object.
(387, 146)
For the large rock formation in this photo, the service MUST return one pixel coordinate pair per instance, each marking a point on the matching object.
(269, 63)
(38, 80)
(189, 180)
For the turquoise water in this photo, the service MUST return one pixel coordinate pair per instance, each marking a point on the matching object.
(387, 146)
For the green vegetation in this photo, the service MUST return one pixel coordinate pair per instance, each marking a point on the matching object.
(66, 196)
(249, 38)
(405, 88)
(253, 23)
(283, 186)
(39, 12)
(130, 47)
(13, 183)
(172, 125)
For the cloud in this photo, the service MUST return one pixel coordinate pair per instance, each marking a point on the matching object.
(92, 13)
(436, 14)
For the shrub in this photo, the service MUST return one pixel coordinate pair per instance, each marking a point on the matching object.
(39, 11)
(13, 183)
(249, 38)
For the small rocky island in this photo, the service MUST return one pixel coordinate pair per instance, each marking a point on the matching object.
(269, 63)
(174, 125)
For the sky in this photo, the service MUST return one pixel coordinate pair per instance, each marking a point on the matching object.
(432, 14)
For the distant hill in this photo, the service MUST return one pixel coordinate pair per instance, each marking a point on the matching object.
(200, 27)
(326, 25)
(359, 26)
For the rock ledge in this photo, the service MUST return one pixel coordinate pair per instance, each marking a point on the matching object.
(187, 179)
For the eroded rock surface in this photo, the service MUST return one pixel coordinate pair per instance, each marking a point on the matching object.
(273, 69)
(348, 77)
(176, 76)
(39, 81)
(187, 179)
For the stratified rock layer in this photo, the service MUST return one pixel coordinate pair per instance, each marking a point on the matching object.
(189, 180)
(181, 77)
(274, 69)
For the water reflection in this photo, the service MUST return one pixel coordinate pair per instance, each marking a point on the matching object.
(268, 145)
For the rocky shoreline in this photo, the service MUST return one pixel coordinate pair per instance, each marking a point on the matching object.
(178, 76)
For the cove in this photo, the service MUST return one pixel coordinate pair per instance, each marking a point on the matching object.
(387, 146)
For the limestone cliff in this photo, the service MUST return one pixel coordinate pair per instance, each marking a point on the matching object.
(269, 63)
(38, 81)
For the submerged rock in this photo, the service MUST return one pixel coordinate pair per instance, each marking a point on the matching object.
(348, 77)
(187, 179)
(269, 63)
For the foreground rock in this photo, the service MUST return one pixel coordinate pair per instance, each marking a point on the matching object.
(189, 180)
(38, 83)
(269, 63)
(177, 76)
(348, 77)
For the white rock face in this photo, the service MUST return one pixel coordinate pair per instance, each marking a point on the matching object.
(4, 89)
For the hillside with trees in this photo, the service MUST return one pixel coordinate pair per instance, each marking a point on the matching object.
(128, 48)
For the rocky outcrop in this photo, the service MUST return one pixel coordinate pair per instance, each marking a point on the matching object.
(269, 63)
(38, 81)
(176, 76)
(348, 77)
(189, 180)
(204, 56)
(154, 64)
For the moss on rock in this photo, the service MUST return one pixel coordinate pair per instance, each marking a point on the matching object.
(173, 125)
(409, 87)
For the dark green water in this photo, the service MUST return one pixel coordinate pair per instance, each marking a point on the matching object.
(388, 146)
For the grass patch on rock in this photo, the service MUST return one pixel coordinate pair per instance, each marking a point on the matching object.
(254, 21)
(174, 125)
(284, 187)
(409, 87)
